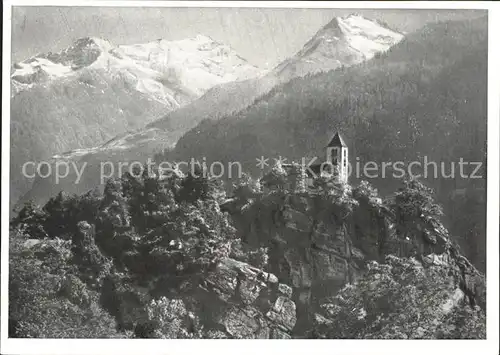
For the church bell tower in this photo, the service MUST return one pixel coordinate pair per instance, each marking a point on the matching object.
(337, 155)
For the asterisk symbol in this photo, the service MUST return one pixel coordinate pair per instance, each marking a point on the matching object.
(280, 160)
(262, 162)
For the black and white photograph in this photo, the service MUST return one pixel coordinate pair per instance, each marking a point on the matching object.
(270, 170)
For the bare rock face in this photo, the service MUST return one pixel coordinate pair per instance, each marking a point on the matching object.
(246, 302)
(232, 301)
(309, 249)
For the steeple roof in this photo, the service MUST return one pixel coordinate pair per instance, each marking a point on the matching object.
(337, 141)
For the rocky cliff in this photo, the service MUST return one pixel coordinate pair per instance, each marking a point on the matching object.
(318, 248)
(245, 302)
(234, 301)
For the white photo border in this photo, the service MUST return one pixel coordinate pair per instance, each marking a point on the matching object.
(372, 347)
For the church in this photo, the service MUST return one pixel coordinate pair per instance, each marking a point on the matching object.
(336, 163)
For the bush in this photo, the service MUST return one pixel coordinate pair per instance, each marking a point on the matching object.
(30, 221)
(47, 300)
(171, 319)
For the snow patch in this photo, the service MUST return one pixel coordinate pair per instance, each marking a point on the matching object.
(42, 64)
(366, 36)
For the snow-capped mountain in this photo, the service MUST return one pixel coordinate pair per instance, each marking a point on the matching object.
(344, 41)
(172, 72)
(93, 90)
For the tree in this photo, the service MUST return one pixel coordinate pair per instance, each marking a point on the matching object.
(30, 221)
(113, 220)
(87, 256)
(57, 223)
(276, 179)
(198, 185)
(86, 206)
(246, 187)
(171, 319)
(366, 192)
(416, 218)
(333, 196)
(415, 200)
(198, 236)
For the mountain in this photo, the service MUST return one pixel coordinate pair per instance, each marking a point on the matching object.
(93, 90)
(342, 42)
(423, 100)
(171, 72)
(419, 96)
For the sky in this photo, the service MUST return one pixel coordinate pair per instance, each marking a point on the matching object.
(264, 37)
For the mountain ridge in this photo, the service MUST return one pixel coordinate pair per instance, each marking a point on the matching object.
(148, 62)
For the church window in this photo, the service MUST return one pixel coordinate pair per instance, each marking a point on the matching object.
(334, 156)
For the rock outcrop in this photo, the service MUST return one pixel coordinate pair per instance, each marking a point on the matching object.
(318, 249)
(233, 301)
(249, 302)
(310, 248)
